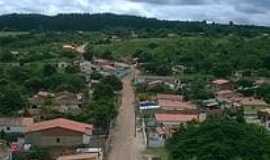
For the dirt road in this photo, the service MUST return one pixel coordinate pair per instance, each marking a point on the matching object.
(124, 144)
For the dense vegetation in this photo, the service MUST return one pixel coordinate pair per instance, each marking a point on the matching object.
(24, 56)
(220, 139)
(107, 22)
(20, 82)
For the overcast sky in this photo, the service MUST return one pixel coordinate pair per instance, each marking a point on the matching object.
(222, 11)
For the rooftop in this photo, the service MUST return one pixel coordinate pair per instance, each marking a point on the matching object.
(251, 101)
(82, 156)
(64, 97)
(166, 117)
(9, 121)
(220, 81)
(170, 97)
(267, 111)
(175, 105)
(60, 123)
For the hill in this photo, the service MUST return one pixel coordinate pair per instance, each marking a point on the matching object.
(107, 22)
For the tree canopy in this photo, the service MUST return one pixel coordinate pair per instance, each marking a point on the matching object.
(220, 139)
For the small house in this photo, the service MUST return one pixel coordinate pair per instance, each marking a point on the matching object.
(59, 132)
(252, 102)
(264, 117)
(152, 81)
(173, 102)
(16, 125)
(174, 119)
(222, 84)
(211, 104)
(64, 102)
(224, 94)
(166, 125)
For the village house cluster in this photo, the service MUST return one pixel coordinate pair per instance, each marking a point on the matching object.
(160, 114)
(41, 123)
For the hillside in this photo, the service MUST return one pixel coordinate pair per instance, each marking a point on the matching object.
(101, 22)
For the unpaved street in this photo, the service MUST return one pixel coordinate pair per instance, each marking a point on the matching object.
(124, 144)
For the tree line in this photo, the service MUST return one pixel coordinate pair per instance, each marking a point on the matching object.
(107, 22)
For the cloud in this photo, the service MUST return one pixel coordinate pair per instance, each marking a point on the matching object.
(176, 2)
(239, 11)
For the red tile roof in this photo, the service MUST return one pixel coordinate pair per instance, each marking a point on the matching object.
(170, 97)
(60, 123)
(81, 156)
(174, 105)
(181, 118)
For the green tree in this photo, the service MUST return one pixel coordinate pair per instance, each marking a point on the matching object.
(103, 91)
(264, 91)
(113, 81)
(18, 74)
(198, 89)
(102, 112)
(6, 56)
(49, 70)
(72, 69)
(107, 54)
(220, 139)
(34, 84)
(11, 100)
(89, 54)
(222, 70)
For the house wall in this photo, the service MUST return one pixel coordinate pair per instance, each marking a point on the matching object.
(155, 141)
(171, 124)
(86, 139)
(55, 137)
(12, 129)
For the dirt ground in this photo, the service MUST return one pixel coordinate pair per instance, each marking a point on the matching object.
(125, 146)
